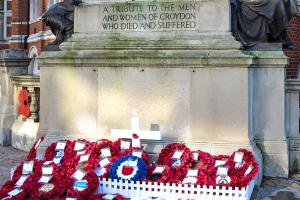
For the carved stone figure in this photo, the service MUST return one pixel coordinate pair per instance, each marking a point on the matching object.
(262, 21)
(60, 18)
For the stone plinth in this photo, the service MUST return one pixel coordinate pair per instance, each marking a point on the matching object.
(267, 78)
(12, 62)
(194, 82)
(292, 114)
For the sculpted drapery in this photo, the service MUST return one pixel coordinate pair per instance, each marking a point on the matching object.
(260, 21)
(60, 18)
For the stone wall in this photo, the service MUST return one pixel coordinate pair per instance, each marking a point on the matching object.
(11, 62)
(292, 119)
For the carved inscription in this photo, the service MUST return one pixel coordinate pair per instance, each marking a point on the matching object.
(157, 16)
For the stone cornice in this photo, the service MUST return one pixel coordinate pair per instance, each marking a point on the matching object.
(25, 80)
(146, 58)
(192, 51)
(293, 85)
(268, 59)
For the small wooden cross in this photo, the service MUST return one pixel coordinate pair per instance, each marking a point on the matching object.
(135, 129)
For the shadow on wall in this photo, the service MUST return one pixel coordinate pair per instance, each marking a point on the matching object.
(295, 166)
(6, 137)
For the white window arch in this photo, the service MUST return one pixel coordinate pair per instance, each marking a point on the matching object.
(33, 68)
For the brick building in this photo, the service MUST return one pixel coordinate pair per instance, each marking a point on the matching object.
(294, 55)
(22, 28)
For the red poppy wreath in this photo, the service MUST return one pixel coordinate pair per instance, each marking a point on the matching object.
(179, 158)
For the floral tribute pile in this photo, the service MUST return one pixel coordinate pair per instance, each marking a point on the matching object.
(73, 169)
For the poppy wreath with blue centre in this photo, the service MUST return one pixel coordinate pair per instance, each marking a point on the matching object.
(129, 168)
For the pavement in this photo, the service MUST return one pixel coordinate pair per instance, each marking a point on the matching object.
(9, 157)
(271, 188)
(278, 189)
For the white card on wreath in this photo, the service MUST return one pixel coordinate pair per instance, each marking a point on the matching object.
(58, 156)
(222, 171)
(80, 185)
(100, 171)
(137, 153)
(80, 152)
(238, 157)
(84, 158)
(159, 169)
(249, 170)
(177, 154)
(79, 146)
(69, 198)
(219, 163)
(48, 162)
(79, 174)
(125, 145)
(57, 160)
(136, 143)
(15, 192)
(109, 196)
(27, 167)
(105, 152)
(190, 180)
(192, 173)
(47, 170)
(195, 155)
(61, 145)
(45, 179)
(21, 180)
(104, 162)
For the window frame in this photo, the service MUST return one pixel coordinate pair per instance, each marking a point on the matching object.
(4, 20)
(35, 12)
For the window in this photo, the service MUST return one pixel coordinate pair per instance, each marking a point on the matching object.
(2, 21)
(298, 5)
(52, 2)
(34, 9)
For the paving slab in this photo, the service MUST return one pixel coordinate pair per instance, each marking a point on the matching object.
(279, 189)
(9, 157)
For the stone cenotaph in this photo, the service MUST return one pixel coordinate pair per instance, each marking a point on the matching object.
(172, 63)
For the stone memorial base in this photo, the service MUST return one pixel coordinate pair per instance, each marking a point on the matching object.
(213, 100)
(194, 83)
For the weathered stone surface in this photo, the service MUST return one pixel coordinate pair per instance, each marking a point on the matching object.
(24, 134)
(292, 119)
(268, 110)
(12, 62)
(153, 16)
